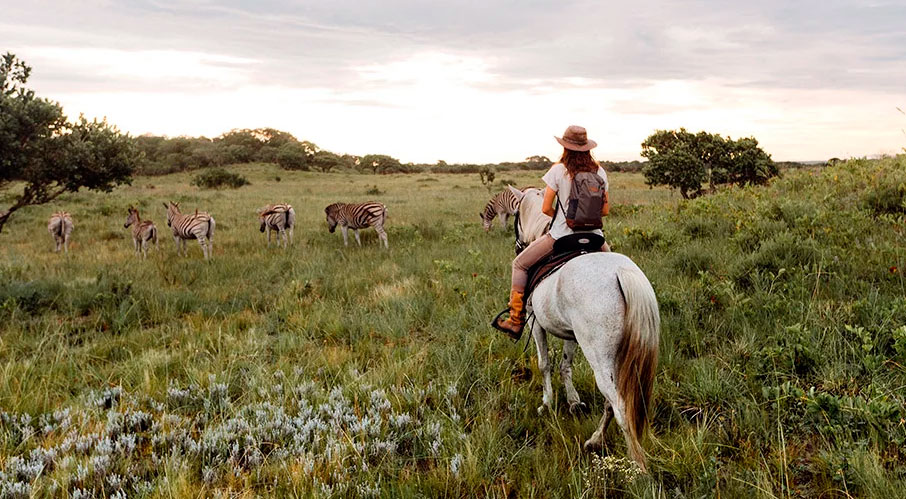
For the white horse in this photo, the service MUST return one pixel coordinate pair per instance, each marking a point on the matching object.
(603, 303)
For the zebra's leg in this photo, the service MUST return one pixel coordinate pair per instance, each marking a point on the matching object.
(283, 237)
(345, 235)
(544, 366)
(383, 236)
(503, 219)
(267, 229)
(358, 239)
(144, 249)
(566, 375)
(290, 235)
(66, 244)
(204, 246)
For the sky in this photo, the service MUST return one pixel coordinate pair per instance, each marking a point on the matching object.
(478, 80)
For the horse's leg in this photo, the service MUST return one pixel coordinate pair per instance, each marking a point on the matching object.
(544, 365)
(596, 440)
(566, 375)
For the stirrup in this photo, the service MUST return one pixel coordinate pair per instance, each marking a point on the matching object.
(512, 335)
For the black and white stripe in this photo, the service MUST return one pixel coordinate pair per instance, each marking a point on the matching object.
(60, 227)
(500, 206)
(191, 226)
(279, 217)
(357, 216)
(143, 232)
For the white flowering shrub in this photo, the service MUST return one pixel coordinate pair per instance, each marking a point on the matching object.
(340, 440)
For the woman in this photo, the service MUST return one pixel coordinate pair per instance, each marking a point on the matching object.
(576, 158)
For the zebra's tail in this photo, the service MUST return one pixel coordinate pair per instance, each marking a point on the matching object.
(154, 235)
(210, 233)
(290, 218)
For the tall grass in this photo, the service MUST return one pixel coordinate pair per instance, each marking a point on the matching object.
(323, 370)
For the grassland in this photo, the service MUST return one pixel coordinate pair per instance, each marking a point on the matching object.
(325, 370)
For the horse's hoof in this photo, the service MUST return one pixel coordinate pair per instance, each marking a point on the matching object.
(578, 408)
(591, 445)
(542, 409)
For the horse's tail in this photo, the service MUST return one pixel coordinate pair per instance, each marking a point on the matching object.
(637, 355)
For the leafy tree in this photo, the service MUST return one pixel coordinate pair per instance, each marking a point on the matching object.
(42, 149)
(293, 156)
(687, 161)
(673, 161)
(750, 164)
(380, 163)
(325, 161)
(538, 162)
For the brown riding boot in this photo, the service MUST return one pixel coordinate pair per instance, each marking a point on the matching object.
(513, 325)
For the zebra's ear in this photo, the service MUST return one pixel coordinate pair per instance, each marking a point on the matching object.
(166, 205)
(516, 192)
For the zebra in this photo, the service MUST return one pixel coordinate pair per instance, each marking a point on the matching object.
(143, 232)
(280, 218)
(357, 216)
(60, 226)
(501, 207)
(198, 226)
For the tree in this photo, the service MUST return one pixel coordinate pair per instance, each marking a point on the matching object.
(50, 155)
(538, 162)
(687, 161)
(379, 163)
(673, 161)
(325, 161)
(293, 156)
(750, 164)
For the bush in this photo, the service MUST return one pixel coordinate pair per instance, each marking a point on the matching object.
(292, 156)
(218, 178)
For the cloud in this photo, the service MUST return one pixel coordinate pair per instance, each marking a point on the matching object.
(477, 80)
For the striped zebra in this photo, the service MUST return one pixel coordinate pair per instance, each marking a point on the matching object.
(280, 218)
(60, 227)
(357, 216)
(501, 207)
(198, 226)
(143, 232)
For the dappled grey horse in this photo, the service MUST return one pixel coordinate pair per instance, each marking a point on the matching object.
(603, 303)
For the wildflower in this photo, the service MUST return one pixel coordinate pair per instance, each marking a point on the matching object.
(455, 464)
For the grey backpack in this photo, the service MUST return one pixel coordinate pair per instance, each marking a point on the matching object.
(586, 199)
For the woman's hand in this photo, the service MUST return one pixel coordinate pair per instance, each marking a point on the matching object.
(547, 206)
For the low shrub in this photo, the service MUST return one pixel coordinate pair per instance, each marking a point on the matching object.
(218, 178)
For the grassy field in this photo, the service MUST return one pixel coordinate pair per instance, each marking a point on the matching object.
(325, 370)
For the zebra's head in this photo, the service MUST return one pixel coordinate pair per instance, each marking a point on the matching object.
(172, 209)
(132, 218)
(485, 221)
(331, 212)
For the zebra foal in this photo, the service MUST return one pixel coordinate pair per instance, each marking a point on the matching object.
(198, 226)
(60, 226)
(143, 232)
(280, 218)
(357, 216)
(501, 207)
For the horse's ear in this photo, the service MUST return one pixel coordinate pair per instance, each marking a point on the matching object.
(516, 192)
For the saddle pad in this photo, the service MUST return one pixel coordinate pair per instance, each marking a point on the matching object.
(545, 267)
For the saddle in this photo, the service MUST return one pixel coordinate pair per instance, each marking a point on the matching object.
(565, 249)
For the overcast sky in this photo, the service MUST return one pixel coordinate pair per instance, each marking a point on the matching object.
(478, 80)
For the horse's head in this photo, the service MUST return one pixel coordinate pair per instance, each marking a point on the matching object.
(531, 223)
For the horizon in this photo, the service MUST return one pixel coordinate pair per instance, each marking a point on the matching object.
(479, 83)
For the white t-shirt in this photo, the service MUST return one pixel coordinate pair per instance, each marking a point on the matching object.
(557, 178)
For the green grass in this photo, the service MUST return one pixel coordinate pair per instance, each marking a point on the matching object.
(782, 358)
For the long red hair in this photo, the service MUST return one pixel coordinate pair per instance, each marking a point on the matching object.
(578, 161)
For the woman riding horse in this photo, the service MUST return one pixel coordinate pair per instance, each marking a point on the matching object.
(576, 158)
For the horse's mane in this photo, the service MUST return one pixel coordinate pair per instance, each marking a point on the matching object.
(533, 222)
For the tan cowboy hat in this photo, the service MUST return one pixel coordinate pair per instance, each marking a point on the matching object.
(575, 138)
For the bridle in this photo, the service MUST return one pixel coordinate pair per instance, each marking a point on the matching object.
(519, 244)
